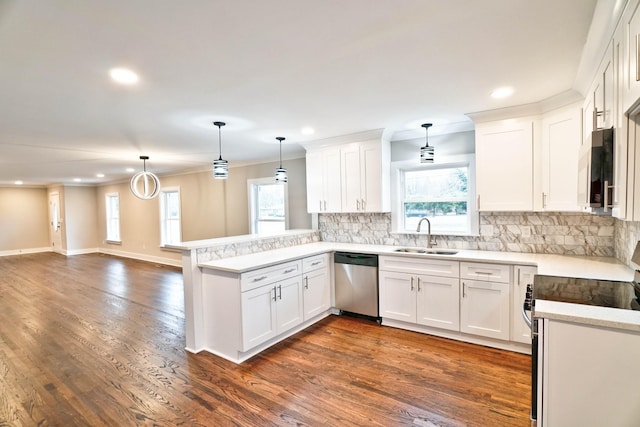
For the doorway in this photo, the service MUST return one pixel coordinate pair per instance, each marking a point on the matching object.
(55, 222)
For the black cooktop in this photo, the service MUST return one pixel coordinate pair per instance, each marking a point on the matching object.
(603, 293)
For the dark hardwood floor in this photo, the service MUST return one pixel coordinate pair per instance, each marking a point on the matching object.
(95, 340)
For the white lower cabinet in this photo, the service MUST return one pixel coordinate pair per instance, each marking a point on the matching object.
(485, 306)
(270, 310)
(397, 296)
(484, 309)
(438, 302)
(468, 301)
(522, 276)
(316, 283)
(422, 299)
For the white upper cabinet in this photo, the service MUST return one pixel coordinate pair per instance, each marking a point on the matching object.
(351, 177)
(364, 186)
(323, 180)
(530, 163)
(504, 165)
(561, 140)
(630, 30)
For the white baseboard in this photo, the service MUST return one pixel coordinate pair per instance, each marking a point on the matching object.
(123, 254)
(25, 251)
(80, 251)
(142, 257)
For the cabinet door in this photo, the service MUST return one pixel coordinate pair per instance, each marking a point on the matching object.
(504, 165)
(323, 180)
(258, 316)
(331, 177)
(350, 164)
(397, 296)
(371, 177)
(316, 293)
(315, 184)
(484, 309)
(523, 275)
(631, 22)
(289, 304)
(561, 140)
(438, 300)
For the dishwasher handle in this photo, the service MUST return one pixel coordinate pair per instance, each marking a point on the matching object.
(369, 260)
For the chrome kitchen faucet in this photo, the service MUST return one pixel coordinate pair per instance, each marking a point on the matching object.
(429, 242)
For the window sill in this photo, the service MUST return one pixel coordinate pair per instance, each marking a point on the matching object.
(169, 248)
(113, 242)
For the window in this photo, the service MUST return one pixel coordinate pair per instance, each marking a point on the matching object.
(170, 216)
(443, 193)
(113, 217)
(268, 205)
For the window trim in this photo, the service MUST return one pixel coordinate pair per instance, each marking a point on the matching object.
(117, 241)
(444, 162)
(251, 192)
(161, 204)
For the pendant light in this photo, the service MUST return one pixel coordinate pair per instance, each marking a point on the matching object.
(427, 153)
(144, 185)
(281, 173)
(220, 167)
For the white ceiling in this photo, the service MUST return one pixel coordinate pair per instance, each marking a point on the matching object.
(267, 68)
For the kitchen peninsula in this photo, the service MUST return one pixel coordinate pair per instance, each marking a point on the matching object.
(218, 272)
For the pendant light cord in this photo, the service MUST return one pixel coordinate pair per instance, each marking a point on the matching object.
(220, 142)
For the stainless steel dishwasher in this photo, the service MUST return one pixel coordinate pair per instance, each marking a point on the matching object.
(356, 283)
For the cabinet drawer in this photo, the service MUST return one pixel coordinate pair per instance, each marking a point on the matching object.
(264, 276)
(429, 267)
(315, 263)
(486, 272)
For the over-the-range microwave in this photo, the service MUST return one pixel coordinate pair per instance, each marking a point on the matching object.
(595, 170)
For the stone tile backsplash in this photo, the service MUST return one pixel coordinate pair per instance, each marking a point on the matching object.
(226, 250)
(627, 236)
(534, 232)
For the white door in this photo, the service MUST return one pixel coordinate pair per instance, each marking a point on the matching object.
(289, 304)
(397, 296)
(258, 316)
(523, 275)
(55, 222)
(317, 298)
(484, 309)
(439, 302)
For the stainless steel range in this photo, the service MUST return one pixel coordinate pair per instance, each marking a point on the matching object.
(603, 293)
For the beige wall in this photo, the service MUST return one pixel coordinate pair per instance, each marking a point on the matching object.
(81, 221)
(23, 219)
(210, 208)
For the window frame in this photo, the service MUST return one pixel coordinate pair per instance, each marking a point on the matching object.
(252, 190)
(445, 162)
(111, 238)
(163, 220)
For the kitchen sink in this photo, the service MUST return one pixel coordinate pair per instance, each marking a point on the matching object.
(428, 251)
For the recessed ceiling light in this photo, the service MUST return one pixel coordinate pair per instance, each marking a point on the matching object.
(307, 130)
(130, 170)
(124, 76)
(18, 182)
(502, 92)
(77, 180)
(100, 175)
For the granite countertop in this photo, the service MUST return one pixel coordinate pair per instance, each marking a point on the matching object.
(589, 315)
(601, 268)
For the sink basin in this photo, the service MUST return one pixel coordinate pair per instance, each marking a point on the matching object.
(428, 251)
